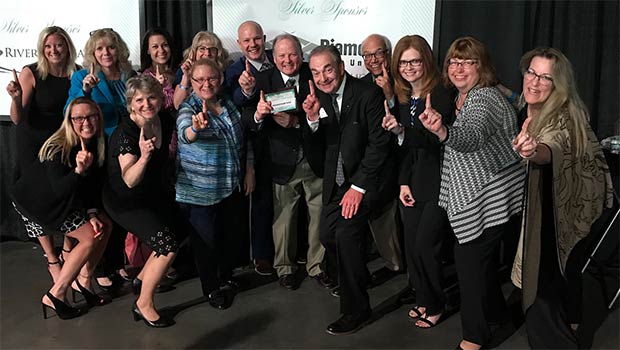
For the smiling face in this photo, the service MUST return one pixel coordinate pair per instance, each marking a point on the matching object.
(536, 90)
(410, 66)
(327, 74)
(55, 49)
(375, 54)
(251, 41)
(206, 82)
(145, 104)
(286, 57)
(206, 49)
(463, 73)
(159, 49)
(85, 120)
(106, 53)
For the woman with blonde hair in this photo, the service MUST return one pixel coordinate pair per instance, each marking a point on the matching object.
(106, 69)
(37, 100)
(61, 192)
(568, 187)
(204, 45)
(137, 193)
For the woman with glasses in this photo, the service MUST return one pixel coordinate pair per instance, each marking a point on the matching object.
(37, 100)
(60, 192)
(211, 163)
(481, 182)
(106, 69)
(567, 189)
(137, 193)
(204, 45)
(425, 223)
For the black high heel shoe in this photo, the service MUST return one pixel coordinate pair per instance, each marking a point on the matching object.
(61, 308)
(91, 298)
(161, 322)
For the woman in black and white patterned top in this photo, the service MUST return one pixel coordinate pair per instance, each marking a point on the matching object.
(481, 182)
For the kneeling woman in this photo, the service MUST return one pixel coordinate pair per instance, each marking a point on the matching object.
(61, 192)
(137, 194)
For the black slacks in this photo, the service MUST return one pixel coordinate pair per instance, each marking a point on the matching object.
(343, 240)
(425, 228)
(482, 301)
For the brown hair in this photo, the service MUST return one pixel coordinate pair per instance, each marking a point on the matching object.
(402, 88)
(471, 49)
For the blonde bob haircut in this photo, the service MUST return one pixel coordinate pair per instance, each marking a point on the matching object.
(113, 39)
(65, 138)
(222, 59)
(144, 83)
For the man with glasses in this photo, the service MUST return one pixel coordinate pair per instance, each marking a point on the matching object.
(296, 170)
(240, 78)
(384, 222)
(344, 115)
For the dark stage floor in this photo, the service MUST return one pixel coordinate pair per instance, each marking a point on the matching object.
(265, 316)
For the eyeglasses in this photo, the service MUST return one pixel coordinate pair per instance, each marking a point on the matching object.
(212, 50)
(81, 119)
(202, 81)
(102, 29)
(543, 79)
(464, 63)
(380, 53)
(413, 63)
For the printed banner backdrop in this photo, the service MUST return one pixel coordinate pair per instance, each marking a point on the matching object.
(21, 21)
(316, 22)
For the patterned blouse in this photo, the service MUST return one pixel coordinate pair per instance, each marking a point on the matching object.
(482, 178)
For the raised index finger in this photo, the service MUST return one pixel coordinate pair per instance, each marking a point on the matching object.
(262, 95)
(157, 69)
(15, 79)
(141, 134)
(428, 101)
(83, 144)
(311, 87)
(385, 73)
(247, 66)
(204, 108)
(387, 108)
(526, 123)
(92, 68)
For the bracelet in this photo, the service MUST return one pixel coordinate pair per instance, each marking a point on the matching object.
(530, 156)
(194, 130)
(183, 87)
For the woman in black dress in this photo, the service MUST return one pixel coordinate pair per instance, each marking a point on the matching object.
(37, 100)
(61, 192)
(137, 193)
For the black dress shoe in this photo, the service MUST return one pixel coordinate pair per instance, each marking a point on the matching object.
(335, 291)
(348, 324)
(287, 281)
(221, 298)
(381, 276)
(323, 280)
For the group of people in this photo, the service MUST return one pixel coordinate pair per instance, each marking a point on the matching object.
(436, 155)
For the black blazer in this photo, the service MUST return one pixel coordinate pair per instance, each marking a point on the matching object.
(284, 143)
(364, 144)
(421, 152)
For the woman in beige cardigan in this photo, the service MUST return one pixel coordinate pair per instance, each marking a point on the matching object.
(568, 186)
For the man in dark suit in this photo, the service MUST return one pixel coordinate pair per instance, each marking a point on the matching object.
(296, 169)
(384, 223)
(344, 115)
(240, 79)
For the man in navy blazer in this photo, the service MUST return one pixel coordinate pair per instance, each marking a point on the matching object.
(344, 115)
(296, 169)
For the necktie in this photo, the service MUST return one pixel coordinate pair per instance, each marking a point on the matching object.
(265, 66)
(290, 82)
(339, 166)
(413, 105)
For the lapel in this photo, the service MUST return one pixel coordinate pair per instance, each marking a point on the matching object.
(103, 88)
(347, 98)
(276, 80)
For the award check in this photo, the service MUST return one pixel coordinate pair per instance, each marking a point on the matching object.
(283, 100)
